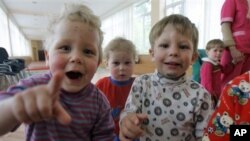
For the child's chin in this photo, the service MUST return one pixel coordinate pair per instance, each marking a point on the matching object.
(72, 89)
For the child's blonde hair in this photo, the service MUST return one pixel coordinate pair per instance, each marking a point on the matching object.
(211, 44)
(181, 23)
(120, 44)
(76, 12)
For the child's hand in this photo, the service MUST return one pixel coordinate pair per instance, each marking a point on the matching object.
(41, 103)
(131, 126)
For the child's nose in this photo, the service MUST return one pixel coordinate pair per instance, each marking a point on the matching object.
(121, 67)
(173, 51)
(76, 57)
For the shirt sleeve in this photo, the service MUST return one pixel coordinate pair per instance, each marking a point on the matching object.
(133, 101)
(228, 11)
(203, 113)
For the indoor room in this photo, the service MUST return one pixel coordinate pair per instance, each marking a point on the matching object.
(24, 23)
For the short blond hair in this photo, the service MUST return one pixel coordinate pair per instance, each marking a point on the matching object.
(76, 12)
(120, 44)
(181, 23)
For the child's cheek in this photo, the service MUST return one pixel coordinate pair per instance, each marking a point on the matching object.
(57, 63)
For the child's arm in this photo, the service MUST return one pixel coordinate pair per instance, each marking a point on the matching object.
(131, 118)
(130, 126)
(33, 105)
(204, 111)
(7, 120)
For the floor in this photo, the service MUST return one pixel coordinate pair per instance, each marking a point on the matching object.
(19, 134)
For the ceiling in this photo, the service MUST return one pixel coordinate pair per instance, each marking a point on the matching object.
(32, 16)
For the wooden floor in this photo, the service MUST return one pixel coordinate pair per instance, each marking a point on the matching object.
(18, 135)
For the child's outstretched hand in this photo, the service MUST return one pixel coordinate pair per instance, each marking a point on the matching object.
(41, 103)
(130, 127)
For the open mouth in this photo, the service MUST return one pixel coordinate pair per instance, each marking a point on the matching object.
(74, 74)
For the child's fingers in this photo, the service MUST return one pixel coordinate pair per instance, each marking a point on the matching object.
(131, 125)
(130, 133)
(122, 137)
(54, 84)
(61, 114)
(19, 110)
(141, 117)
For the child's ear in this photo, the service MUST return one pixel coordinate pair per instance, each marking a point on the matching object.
(151, 52)
(194, 57)
(46, 53)
(105, 63)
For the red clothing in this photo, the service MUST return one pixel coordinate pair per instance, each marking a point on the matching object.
(235, 11)
(210, 78)
(117, 93)
(233, 108)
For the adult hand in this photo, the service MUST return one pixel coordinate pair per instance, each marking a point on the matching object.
(236, 55)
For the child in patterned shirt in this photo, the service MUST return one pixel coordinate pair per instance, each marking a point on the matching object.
(166, 105)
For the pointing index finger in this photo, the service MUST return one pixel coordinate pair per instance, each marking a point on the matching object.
(54, 84)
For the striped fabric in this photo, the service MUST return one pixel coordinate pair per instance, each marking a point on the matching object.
(89, 110)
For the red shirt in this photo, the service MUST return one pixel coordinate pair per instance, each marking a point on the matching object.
(117, 93)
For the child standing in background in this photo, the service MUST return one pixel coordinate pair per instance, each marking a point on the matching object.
(119, 56)
(63, 104)
(166, 105)
(211, 69)
(235, 24)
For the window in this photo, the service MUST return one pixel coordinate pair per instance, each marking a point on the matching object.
(174, 7)
(19, 43)
(133, 23)
(142, 26)
(4, 32)
(11, 38)
(205, 14)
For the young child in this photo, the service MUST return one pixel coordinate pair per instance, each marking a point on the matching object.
(233, 108)
(63, 104)
(119, 56)
(211, 69)
(166, 105)
(235, 17)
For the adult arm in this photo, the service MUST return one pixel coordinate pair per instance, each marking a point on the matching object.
(230, 43)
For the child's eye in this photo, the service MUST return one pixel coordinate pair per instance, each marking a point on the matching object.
(88, 52)
(128, 62)
(164, 45)
(184, 46)
(116, 63)
(65, 48)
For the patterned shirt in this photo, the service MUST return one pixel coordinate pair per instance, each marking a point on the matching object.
(177, 110)
(233, 108)
(89, 109)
